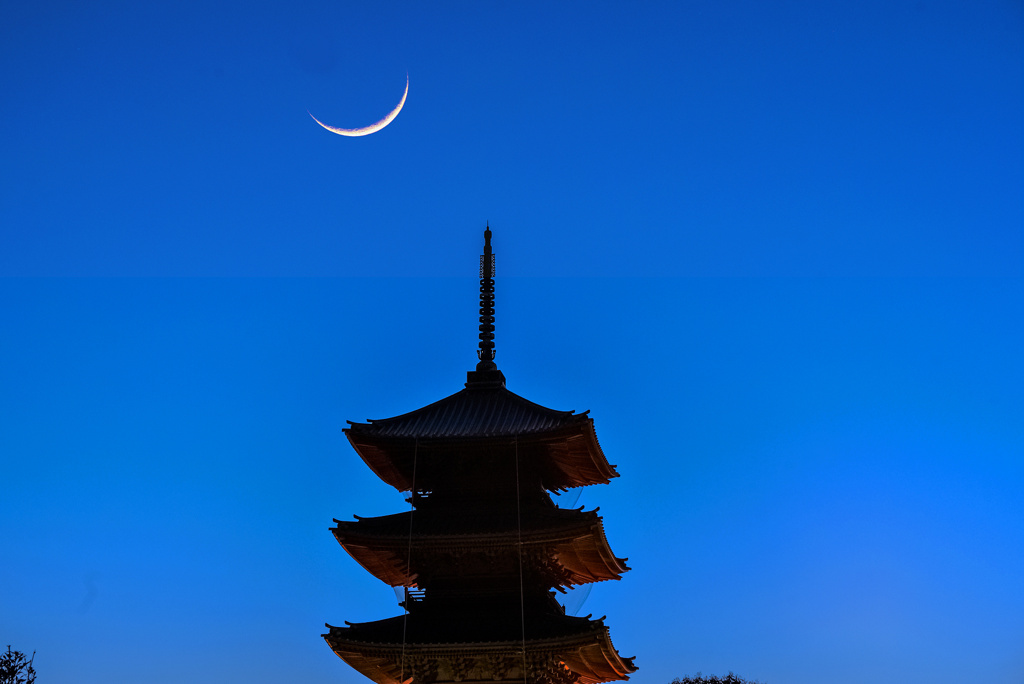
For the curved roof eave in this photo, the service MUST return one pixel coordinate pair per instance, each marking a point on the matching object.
(574, 454)
(469, 413)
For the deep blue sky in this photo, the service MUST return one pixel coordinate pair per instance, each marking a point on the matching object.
(776, 248)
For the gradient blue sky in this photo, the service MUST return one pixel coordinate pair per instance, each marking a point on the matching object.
(776, 248)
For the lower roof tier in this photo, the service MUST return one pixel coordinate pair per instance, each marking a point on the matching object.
(558, 648)
(559, 547)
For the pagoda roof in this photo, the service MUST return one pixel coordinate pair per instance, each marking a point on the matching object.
(485, 412)
(575, 537)
(473, 413)
(581, 644)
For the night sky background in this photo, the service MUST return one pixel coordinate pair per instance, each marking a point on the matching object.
(776, 248)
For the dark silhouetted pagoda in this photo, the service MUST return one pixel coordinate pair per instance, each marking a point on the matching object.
(482, 545)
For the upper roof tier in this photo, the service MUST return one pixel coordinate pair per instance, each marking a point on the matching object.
(481, 411)
(564, 442)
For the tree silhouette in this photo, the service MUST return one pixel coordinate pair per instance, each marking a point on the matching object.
(713, 679)
(15, 668)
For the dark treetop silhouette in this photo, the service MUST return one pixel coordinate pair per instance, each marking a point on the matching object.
(15, 668)
(713, 679)
(482, 545)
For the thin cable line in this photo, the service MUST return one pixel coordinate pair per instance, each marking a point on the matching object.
(519, 526)
(408, 555)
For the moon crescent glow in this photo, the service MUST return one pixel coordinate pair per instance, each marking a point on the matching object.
(372, 128)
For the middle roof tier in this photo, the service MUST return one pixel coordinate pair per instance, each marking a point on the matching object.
(560, 547)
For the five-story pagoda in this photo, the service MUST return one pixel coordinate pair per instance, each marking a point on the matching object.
(482, 545)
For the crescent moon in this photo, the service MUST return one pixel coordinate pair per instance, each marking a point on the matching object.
(372, 128)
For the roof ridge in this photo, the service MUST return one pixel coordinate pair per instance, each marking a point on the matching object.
(472, 412)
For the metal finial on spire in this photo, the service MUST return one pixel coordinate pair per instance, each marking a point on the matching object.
(486, 351)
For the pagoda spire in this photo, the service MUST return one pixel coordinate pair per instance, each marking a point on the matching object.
(486, 351)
